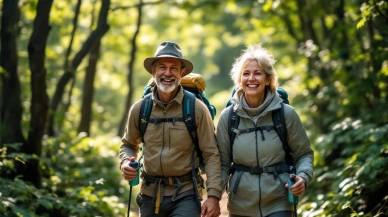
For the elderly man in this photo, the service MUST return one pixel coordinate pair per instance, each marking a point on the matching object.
(170, 165)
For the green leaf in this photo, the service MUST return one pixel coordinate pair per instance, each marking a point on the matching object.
(19, 211)
(47, 204)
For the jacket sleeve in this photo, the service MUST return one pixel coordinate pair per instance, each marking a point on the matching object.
(299, 144)
(223, 142)
(131, 140)
(208, 145)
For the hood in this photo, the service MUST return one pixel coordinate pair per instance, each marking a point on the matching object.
(271, 102)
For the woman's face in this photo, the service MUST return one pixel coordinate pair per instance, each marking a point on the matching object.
(253, 79)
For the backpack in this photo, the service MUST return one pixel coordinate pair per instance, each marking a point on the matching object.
(279, 125)
(194, 86)
(193, 83)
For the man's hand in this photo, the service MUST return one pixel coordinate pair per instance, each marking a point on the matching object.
(128, 172)
(211, 207)
(299, 187)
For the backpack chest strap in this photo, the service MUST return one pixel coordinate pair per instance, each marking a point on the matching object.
(161, 120)
(249, 130)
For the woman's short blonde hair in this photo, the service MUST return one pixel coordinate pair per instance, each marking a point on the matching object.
(265, 60)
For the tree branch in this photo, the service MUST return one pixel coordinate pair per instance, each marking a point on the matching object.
(75, 21)
(130, 69)
(96, 35)
(139, 5)
(378, 10)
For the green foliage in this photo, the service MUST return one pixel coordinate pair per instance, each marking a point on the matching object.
(331, 59)
(371, 9)
(80, 178)
(351, 174)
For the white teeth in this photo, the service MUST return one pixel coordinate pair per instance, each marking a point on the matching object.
(252, 85)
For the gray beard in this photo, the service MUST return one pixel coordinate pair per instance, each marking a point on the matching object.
(167, 89)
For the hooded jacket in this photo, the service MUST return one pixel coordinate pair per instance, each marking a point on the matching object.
(261, 194)
(168, 146)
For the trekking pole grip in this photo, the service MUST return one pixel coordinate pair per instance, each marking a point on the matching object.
(135, 165)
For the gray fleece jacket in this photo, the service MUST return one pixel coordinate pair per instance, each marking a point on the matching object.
(261, 194)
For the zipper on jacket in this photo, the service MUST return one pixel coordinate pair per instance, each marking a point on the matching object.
(161, 152)
(257, 146)
(257, 160)
(261, 213)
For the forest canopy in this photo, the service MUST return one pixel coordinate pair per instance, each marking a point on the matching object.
(70, 70)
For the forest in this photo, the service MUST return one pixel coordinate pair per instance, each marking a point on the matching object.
(71, 69)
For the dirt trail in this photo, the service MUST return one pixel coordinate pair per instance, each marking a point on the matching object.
(223, 203)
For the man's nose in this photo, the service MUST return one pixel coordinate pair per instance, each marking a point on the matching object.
(168, 72)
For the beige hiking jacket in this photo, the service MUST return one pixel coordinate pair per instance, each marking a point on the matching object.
(168, 146)
(261, 194)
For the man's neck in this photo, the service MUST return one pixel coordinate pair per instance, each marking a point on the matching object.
(167, 97)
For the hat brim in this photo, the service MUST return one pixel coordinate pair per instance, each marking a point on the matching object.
(149, 61)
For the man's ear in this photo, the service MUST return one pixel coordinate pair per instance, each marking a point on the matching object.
(183, 72)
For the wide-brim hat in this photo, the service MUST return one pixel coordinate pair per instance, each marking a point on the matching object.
(168, 49)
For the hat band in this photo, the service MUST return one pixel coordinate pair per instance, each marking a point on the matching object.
(170, 54)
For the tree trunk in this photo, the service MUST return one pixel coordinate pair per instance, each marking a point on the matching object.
(96, 35)
(39, 99)
(88, 90)
(10, 94)
(130, 71)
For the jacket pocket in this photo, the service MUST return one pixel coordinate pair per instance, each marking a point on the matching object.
(282, 180)
(153, 134)
(233, 182)
(246, 192)
(179, 138)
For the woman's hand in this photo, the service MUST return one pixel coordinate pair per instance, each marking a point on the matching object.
(299, 187)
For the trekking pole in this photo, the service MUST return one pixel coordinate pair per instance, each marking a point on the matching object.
(291, 197)
(132, 183)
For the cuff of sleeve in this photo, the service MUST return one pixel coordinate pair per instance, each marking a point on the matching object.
(214, 193)
(123, 162)
(305, 178)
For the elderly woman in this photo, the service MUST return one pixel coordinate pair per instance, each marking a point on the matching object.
(254, 168)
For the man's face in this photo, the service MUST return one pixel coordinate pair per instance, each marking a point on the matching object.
(168, 73)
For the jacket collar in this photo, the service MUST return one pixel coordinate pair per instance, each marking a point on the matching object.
(178, 97)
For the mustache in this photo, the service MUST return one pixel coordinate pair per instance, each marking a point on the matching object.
(166, 77)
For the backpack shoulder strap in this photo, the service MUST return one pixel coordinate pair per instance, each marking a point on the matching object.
(279, 122)
(145, 113)
(188, 109)
(233, 122)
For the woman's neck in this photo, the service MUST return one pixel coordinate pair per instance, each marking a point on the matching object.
(255, 101)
